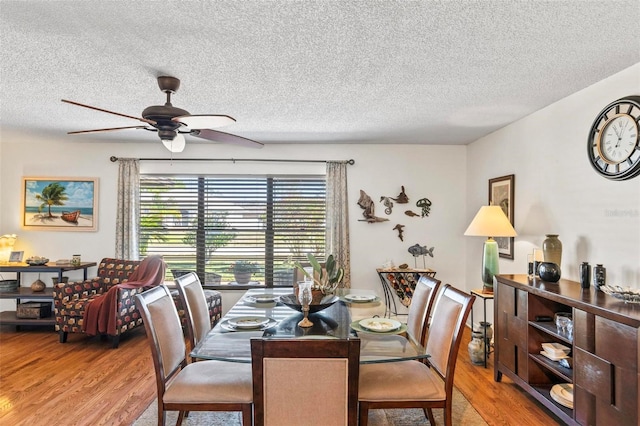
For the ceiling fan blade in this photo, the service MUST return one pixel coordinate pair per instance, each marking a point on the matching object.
(216, 136)
(204, 121)
(105, 130)
(144, 120)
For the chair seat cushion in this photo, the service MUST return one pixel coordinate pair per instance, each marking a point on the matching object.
(399, 381)
(207, 381)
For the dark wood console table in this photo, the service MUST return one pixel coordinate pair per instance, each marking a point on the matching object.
(605, 348)
(25, 293)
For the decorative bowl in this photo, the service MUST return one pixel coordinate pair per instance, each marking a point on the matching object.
(291, 301)
(629, 295)
(36, 261)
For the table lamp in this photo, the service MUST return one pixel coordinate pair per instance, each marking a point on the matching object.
(6, 246)
(490, 221)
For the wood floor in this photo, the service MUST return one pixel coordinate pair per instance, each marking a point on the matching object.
(85, 382)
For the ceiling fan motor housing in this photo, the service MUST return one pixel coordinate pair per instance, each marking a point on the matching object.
(162, 114)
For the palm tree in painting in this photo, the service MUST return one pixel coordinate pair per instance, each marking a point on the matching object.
(52, 195)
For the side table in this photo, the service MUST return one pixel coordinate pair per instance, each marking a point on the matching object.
(9, 317)
(402, 282)
(484, 297)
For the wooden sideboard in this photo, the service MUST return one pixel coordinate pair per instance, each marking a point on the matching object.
(605, 348)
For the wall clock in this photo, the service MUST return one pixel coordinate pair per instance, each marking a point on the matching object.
(614, 146)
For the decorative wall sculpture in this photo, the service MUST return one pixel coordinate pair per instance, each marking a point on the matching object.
(366, 203)
(400, 229)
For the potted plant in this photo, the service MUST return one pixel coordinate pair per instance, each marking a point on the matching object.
(242, 271)
(325, 279)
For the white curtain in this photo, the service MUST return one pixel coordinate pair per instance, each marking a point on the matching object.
(337, 234)
(127, 214)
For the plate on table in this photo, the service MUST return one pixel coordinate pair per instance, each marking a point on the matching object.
(261, 298)
(562, 393)
(355, 325)
(380, 325)
(360, 298)
(248, 322)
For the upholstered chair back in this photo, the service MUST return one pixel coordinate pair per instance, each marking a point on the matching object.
(305, 382)
(420, 308)
(162, 325)
(445, 332)
(196, 307)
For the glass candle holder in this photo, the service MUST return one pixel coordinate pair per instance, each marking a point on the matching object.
(538, 258)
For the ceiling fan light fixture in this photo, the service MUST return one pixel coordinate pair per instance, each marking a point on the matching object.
(204, 121)
(176, 144)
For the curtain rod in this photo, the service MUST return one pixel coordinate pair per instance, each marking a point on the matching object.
(235, 160)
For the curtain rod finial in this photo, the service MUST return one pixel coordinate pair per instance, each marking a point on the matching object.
(113, 158)
(351, 162)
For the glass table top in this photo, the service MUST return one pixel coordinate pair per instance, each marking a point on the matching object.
(259, 314)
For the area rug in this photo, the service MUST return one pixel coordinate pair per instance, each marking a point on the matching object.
(463, 414)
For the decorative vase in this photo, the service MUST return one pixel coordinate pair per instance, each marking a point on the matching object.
(599, 276)
(585, 275)
(552, 249)
(485, 327)
(65, 280)
(550, 271)
(38, 286)
(242, 277)
(476, 348)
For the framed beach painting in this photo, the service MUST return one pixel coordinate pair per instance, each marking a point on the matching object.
(501, 193)
(60, 203)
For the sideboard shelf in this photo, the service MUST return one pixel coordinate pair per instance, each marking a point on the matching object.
(10, 318)
(605, 348)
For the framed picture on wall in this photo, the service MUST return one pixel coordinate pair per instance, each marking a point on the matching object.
(501, 193)
(60, 203)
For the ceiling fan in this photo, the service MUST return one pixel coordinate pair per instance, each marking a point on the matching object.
(171, 123)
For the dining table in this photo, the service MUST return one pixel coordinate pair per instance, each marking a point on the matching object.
(274, 313)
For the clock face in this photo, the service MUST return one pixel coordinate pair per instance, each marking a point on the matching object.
(614, 146)
(618, 139)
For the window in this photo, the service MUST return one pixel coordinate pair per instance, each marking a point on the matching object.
(207, 223)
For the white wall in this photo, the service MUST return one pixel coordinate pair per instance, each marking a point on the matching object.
(435, 172)
(556, 189)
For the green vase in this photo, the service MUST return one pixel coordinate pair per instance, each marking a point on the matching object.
(552, 249)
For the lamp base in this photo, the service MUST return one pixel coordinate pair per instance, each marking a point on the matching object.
(489, 264)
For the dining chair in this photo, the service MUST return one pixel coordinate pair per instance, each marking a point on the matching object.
(413, 384)
(183, 386)
(305, 381)
(195, 306)
(424, 295)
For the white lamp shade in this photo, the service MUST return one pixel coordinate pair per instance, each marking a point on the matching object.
(490, 221)
(175, 145)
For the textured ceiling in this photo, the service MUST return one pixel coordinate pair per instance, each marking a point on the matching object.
(416, 72)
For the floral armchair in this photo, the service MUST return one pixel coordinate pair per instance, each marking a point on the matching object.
(71, 299)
